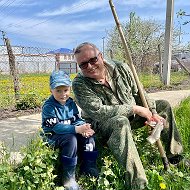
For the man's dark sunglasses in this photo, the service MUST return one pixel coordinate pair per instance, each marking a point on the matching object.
(92, 61)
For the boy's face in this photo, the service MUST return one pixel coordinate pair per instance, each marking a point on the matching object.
(61, 93)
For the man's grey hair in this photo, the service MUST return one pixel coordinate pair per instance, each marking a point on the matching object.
(78, 48)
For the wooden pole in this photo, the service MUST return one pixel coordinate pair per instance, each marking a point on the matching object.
(13, 67)
(143, 99)
(168, 42)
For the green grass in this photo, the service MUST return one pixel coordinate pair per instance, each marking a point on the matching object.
(182, 114)
(29, 83)
(153, 80)
(38, 84)
(111, 176)
(37, 172)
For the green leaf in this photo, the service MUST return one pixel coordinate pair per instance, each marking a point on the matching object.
(106, 182)
(26, 168)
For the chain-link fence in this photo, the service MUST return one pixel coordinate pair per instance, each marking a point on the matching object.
(28, 60)
(33, 65)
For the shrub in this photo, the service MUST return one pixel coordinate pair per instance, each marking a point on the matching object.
(38, 168)
(29, 101)
(36, 171)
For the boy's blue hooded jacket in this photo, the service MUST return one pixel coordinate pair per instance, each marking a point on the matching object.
(58, 118)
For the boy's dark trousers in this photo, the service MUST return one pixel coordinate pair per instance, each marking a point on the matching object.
(70, 145)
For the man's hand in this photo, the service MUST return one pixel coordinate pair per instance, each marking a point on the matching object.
(85, 130)
(146, 113)
(143, 112)
(157, 119)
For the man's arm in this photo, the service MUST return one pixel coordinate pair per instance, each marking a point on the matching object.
(93, 106)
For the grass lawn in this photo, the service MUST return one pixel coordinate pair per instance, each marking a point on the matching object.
(38, 84)
(37, 170)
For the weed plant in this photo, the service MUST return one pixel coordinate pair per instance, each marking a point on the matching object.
(39, 168)
(36, 171)
(153, 80)
(38, 85)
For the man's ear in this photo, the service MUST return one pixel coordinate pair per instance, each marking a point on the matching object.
(101, 56)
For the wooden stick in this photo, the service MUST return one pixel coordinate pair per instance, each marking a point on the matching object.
(142, 96)
(182, 65)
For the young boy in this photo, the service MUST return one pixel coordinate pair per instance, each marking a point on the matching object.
(64, 129)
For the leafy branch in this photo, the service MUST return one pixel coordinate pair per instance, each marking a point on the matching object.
(181, 14)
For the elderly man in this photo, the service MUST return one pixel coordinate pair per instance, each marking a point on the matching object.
(109, 98)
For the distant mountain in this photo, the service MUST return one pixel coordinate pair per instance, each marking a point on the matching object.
(61, 50)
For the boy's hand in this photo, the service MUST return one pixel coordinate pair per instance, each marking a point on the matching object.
(85, 130)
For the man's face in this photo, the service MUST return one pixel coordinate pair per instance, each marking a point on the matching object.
(61, 93)
(90, 61)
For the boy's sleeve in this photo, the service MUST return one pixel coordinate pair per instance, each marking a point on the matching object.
(51, 123)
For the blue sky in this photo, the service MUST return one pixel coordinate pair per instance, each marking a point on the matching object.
(66, 23)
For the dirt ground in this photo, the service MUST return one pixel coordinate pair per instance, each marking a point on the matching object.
(12, 112)
(184, 85)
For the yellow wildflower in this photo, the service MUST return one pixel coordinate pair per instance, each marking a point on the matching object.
(162, 186)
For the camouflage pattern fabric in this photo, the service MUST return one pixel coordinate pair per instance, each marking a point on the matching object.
(109, 109)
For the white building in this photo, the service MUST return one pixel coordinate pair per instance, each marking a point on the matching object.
(65, 60)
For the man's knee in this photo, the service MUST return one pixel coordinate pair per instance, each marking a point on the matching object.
(162, 106)
(163, 103)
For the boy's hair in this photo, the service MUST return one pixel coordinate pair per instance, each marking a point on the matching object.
(59, 78)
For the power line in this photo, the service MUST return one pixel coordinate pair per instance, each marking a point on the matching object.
(42, 22)
(8, 13)
(67, 12)
(6, 2)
